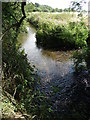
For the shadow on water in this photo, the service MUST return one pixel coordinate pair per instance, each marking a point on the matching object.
(55, 69)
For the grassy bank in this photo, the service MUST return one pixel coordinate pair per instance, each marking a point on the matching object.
(62, 30)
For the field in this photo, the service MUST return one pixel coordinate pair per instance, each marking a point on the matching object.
(55, 18)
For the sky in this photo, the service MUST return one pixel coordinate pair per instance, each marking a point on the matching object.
(58, 3)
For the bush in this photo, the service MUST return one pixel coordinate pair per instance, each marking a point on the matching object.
(66, 37)
(82, 59)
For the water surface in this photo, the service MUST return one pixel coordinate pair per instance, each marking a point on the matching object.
(45, 60)
(55, 68)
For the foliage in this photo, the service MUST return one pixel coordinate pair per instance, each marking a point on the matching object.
(38, 105)
(53, 32)
(16, 69)
(81, 58)
(19, 78)
(77, 6)
(31, 7)
(40, 8)
(10, 15)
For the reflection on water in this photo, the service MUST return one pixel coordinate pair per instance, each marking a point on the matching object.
(51, 65)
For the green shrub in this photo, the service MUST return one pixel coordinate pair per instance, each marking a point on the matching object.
(71, 36)
(79, 60)
(82, 58)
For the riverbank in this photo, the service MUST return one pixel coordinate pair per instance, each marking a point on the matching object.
(59, 31)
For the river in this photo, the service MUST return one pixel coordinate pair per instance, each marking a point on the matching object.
(55, 68)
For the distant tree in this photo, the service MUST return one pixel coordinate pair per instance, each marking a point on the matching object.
(40, 8)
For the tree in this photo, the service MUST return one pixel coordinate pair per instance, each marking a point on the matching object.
(77, 6)
(15, 13)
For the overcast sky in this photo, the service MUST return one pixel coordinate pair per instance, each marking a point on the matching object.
(57, 3)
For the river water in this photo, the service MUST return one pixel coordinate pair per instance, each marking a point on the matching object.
(55, 68)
